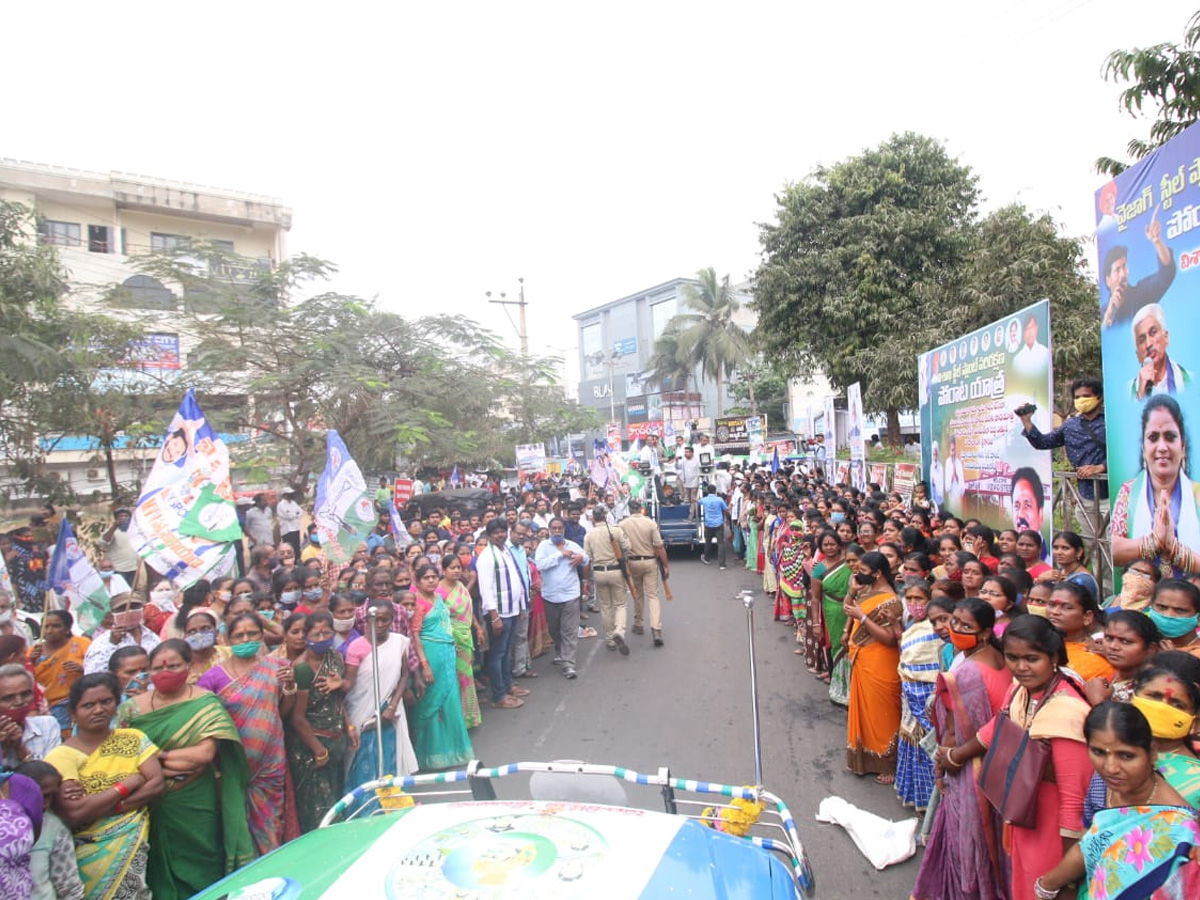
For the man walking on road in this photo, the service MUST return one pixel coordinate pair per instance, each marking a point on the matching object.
(606, 575)
(503, 597)
(559, 561)
(716, 514)
(646, 553)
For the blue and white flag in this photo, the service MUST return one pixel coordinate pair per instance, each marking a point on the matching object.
(399, 533)
(454, 479)
(344, 510)
(775, 461)
(185, 521)
(75, 579)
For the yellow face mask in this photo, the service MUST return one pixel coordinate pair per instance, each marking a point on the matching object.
(1166, 722)
(1085, 405)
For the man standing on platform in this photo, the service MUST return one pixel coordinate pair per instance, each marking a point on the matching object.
(646, 554)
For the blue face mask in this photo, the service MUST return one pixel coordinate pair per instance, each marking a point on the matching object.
(1172, 627)
(289, 598)
(320, 648)
(313, 594)
(836, 517)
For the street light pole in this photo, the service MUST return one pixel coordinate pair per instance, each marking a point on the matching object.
(520, 303)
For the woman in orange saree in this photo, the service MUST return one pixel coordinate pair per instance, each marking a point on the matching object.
(874, 653)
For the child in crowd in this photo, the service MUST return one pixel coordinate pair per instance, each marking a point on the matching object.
(52, 862)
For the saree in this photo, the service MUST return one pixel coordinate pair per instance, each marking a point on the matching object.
(962, 855)
(792, 576)
(253, 702)
(462, 620)
(752, 541)
(111, 851)
(440, 737)
(539, 627)
(1131, 853)
(317, 789)
(834, 587)
(198, 829)
(56, 681)
(1182, 773)
(398, 755)
(874, 723)
(20, 815)
(1086, 664)
(770, 537)
(919, 668)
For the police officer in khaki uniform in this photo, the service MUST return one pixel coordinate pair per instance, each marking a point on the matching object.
(606, 573)
(646, 551)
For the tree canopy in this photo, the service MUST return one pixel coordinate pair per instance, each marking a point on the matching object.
(708, 336)
(883, 256)
(1163, 79)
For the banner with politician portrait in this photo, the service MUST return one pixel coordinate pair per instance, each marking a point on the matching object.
(1148, 247)
(974, 457)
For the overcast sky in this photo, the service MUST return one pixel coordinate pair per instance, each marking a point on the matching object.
(441, 150)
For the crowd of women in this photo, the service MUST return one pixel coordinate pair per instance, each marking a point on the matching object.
(981, 670)
(194, 732)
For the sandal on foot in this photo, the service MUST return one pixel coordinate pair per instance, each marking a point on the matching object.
(885, 779)
(509, 703)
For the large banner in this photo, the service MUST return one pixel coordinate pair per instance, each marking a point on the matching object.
(904, 478)
(185, 521)
(344, 510)
(856, 425)
(531, 459)
(1148, 243)
(973, 455)
(736, 434)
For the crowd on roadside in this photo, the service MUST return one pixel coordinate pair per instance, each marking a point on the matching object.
(949, 642)
(196, 730)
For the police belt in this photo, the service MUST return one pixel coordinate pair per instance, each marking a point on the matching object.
(605, 568)
(640, 558)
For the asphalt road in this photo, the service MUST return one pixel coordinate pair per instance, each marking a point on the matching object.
(687, 706)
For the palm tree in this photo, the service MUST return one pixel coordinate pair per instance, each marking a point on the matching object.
(710, 338)
(668, 365)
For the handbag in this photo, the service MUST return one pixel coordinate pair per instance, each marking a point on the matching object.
(1013, 768)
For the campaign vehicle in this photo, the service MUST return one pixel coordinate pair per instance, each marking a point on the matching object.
(576, 835)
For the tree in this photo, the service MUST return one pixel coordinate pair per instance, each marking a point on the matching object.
(1017, 259)
(764, 390)
(59, 365)
(1165, 78)
(709, 337)
(858, 265)
(669, 368)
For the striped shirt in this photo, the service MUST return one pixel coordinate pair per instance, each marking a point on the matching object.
(501, 584)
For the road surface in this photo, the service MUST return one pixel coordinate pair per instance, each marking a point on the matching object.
(687, 705)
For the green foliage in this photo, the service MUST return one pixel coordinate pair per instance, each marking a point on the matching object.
(708, 336)
(669, 366)
(881, 257)
(760, 388)
(856, 267)
(1164, 78)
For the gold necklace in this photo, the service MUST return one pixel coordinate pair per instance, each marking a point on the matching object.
(1147, 802)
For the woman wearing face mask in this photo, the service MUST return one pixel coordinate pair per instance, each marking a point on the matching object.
(286, 585)
(1001, 595)
(342, 609)
(1137, 585)
(1048, 703)
(259, 692)
(919, 667)
(200, 634)
(318, 734)
(826, 618)
(312, 594)
(963, 856)
(1175, 611)
(197, 595)
(58, 662)
(1167, 693)
(198, 830)
(876, 614)
(1134, 847)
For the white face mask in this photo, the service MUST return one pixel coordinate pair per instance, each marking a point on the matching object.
(343, 626)
(5, 617)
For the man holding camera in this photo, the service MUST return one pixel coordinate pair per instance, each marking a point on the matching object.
(1084, 437)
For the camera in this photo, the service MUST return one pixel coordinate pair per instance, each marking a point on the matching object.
(1027, 409)
(706, 461)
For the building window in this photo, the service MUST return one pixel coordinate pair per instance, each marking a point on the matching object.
(61, 234)
(144, 292)
(661, 315)
(100, 239)
(223, 246)
(168, 242)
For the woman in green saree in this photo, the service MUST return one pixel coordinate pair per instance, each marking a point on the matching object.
(439, 731)
(465, 627)
(198, 829)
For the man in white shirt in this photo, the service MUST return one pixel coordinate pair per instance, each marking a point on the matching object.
(503, 597)
(260, 523)
(687, 467)
(723, 479)
(290, 514)
(128, 630)
(119, 548)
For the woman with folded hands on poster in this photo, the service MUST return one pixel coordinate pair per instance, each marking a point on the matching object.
(1156, 515)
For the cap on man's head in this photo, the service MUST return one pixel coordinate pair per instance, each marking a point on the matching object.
(244, 501)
